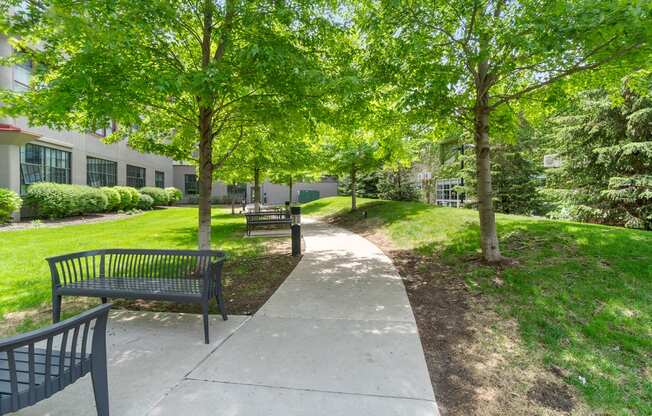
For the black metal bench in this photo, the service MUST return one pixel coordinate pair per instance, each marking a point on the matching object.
(30, 373)
(267, 218)
(171, 275)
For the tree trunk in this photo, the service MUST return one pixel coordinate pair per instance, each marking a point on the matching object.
(354, 204)
(488, 234)
(290, 186)
(233, 201)
(256, 190)
(205, 142)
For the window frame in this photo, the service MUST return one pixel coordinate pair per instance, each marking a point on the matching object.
(131, 178)
(158, 184)
(53, 163)
(103, 164)
(185, 184)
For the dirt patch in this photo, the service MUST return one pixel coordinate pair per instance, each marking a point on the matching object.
(475, 358)
(551, 395)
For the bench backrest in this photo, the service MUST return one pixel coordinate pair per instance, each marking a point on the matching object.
(30, 371)
(135, 263)
(267, 216)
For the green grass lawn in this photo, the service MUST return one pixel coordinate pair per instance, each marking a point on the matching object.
(24, 275)
(580, 293)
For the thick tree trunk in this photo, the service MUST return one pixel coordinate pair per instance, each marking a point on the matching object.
(488, 234)
(205, 140)
(290, 194)
(256, 190)
(354, 204)
(205, 178)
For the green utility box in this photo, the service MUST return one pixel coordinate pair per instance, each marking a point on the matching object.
(307, 195)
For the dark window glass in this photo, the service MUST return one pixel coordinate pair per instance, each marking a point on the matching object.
(135, 176)
(159, 179)
(190, 185)
(43, 164)
(100, 172)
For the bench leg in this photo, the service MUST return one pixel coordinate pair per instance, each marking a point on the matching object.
(104, 300)
(204, 309)
(100, 382)
(56, 308)
(220, 303)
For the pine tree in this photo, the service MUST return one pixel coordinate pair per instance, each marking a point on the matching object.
(606, 149)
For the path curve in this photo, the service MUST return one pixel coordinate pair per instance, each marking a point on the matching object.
(337, 338)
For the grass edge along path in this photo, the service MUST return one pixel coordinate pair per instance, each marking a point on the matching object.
(580, 295)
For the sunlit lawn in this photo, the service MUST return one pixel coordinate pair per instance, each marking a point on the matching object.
(24, 274)
(581, 293)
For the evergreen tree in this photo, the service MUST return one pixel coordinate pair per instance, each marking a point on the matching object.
(605, 145)
(397, 185)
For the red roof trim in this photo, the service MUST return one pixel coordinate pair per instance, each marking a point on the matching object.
(9, 127)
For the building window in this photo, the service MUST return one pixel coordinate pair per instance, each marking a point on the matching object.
(446, 194)
(190, 184)
(100, 172)
(135, 176)
(22, 75)
(43, 164)
(159, 179)
(107, 130)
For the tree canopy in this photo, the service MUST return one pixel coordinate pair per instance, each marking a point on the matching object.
(180, 78)
(478, 63)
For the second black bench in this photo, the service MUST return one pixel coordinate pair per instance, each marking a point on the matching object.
(266, 218)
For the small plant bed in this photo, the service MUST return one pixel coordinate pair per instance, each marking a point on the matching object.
(564, 328)
(254, 269)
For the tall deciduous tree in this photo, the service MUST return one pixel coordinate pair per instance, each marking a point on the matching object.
(181, 78)
(351, 153)
(469, 61)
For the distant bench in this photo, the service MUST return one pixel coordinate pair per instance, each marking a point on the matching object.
(171, 275)
(267, 218)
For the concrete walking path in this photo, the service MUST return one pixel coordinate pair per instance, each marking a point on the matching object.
(337, 338)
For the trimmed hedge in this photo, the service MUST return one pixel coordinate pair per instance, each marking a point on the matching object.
(54, 200)
(113, 198)
(174, 195)
(159, 196)
(129, 197)
(89, 200)
(145, 202)
(9, 202)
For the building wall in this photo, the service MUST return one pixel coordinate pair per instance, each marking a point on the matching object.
(79, 144)
(274, 194)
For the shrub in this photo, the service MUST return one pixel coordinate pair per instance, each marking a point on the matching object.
(9, 202)
(160, 196)
(89, 200)
(145, 202)
(51, 200)
(113, 198)
(56, 200)
(129, 197)
(174, 195)
(135, 197)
